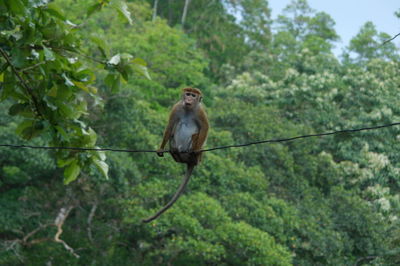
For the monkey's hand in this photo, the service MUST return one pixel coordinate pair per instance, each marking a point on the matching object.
(195, 157)
(194, 153)
(160, 153)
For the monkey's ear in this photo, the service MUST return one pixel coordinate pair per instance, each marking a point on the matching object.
(200, 98)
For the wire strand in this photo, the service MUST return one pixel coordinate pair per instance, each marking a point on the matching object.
(391, 39)
(206, 150)
(302, 137)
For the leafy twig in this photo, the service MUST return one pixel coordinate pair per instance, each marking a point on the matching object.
(99, 61)
(32, 67)
(22, 81)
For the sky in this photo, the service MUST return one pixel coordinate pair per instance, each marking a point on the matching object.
(350, 15)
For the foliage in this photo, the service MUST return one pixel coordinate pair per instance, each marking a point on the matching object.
(93, 79)
(367, 45)
(51, 86)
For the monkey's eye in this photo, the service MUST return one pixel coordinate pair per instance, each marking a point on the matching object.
(190, 94)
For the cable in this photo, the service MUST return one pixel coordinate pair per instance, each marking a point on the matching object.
(391, 39)
(74, 148)
(210, 149)
(302, 137)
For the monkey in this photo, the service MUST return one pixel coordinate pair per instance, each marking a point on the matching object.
(186, 134)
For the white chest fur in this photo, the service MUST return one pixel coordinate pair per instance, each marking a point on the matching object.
(185, 128)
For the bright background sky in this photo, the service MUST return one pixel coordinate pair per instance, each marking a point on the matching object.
(350, 15)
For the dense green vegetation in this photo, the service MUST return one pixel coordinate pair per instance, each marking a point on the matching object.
(101, 73)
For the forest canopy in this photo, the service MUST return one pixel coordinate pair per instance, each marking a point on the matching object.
(105, 73)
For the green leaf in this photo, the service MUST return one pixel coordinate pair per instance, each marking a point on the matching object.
(125, 71)
(139, 61)
(29, 129)
(102, 166)
(68, 82)
(62, 162)
(101, 44)
(63, 134)
(126, 57)
(81, 86)
(100, 154)
(71, 172)
(93, 89)
(48, 54)
(4, 67)
(17, 108)
(16, 33)
(122, 9)
(90, 137)
(117, 84)
(66, 110)
(51, 102)
(17, 7)
(113, 81)
(142, 70)
(85, 75)
(23, 125)
(53, 91)
(94, 8)
(55, 10)
(18, 57)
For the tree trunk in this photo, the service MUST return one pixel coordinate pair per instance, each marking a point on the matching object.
(155, 9)
(187, 2)
(170, 12)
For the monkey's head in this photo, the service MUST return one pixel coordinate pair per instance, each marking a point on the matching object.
(191, 97)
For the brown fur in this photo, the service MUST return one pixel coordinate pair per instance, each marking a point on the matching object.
(195, 114)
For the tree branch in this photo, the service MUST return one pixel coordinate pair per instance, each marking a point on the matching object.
(155, 10)
(32, 67)
(185, 9)
(89, 221)
(59, 221)
(99, 61)
(22, 81)
(25, 239)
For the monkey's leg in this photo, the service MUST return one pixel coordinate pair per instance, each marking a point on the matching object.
(177, 157)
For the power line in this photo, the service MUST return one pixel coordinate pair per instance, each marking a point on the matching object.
(72, 148)
(391, 39)
(303, 137)
(205, 150)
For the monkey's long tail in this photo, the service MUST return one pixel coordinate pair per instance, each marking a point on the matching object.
(178, 193)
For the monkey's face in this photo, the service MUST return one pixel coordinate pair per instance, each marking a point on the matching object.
(190, 99)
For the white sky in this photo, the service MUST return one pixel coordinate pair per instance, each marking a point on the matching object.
(350, 15)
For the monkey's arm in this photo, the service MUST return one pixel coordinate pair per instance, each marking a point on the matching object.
(203, 131)
(168, 130)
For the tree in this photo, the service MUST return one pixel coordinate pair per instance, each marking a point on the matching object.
(304, 39)
(184, 13)
(368, 44)
(45, 72)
